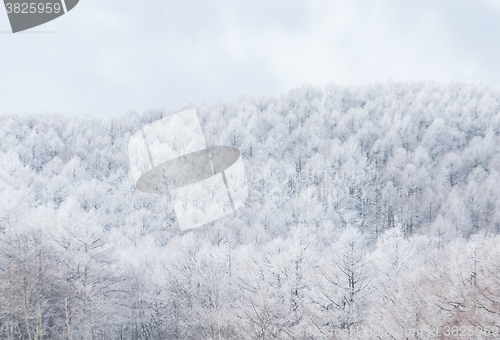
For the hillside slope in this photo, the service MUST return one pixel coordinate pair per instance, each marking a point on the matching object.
(338, 177)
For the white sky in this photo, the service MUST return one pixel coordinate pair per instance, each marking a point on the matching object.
(110, 56)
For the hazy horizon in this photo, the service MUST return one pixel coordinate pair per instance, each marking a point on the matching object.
(108, 58)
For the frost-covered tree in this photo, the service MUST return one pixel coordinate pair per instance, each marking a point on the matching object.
(363, 200)
(342, 282)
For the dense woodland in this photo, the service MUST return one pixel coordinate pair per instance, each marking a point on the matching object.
(372, 211)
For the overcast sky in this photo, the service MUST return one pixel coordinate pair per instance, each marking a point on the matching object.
(108, 57)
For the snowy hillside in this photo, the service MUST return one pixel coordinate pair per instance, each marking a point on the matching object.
(374, 208)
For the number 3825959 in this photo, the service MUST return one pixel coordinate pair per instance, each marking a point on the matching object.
(18, 7)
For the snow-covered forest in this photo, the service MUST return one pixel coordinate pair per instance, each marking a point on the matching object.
(373, 213)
